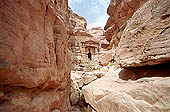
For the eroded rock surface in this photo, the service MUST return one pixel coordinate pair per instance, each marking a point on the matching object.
(34, 65)
(119, 11)
(146, 38)
(110, 94)
(78, 80)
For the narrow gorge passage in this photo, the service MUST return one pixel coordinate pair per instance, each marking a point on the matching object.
(119, 68)
(84, 56)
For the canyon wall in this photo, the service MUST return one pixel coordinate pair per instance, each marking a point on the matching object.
(139, 34)
(143, 40)
(34, 64)
(119, 11)
(146, 38)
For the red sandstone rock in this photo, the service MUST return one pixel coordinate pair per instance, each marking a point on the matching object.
(97, 32)
(146, 38)
(106, 58)
(33, 54)
(78, 22)
(119, 11)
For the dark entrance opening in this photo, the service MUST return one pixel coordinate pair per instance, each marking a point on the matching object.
(89, 54)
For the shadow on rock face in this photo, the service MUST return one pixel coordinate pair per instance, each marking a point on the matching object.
(134, 73)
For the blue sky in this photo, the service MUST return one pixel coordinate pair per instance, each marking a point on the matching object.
(93, 10)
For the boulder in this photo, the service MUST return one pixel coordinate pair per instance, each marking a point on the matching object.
(81, 79)
(146, 38)
(111, 94)
(78, 80)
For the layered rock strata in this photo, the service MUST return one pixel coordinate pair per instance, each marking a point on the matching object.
(34, 64)
(119, 11)
(146, 38)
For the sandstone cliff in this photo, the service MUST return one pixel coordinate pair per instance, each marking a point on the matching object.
(146, 38)
(34, 65)
(119, 11)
